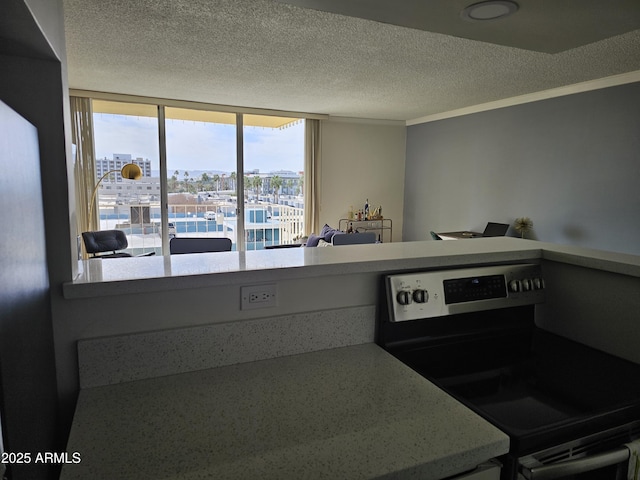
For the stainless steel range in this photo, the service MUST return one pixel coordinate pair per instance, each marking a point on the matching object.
(568, 409)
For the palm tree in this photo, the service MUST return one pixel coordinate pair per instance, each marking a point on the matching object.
(276, 183)
(216, 180)
(257, 183)
(233, 177)
(173, 183)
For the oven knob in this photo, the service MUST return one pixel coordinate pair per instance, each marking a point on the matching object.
(420, 296)
(514, 286)
(526, 285)
(538, 284)
(404, 297)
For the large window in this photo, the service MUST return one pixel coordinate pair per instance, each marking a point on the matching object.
(194, 189)
(273, 181)
(201, 172)
(128, 133)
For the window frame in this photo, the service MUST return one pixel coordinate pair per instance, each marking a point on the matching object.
(162, 151)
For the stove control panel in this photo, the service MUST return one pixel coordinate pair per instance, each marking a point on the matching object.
(414, 296)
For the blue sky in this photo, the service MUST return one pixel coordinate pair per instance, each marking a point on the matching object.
(199, 146)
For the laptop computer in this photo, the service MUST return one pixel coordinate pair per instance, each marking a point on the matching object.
(492, 229)
(495, 229)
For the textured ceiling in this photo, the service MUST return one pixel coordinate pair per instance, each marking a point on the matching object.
(274, 55)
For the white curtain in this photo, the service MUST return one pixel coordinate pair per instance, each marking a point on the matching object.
(312, 176)
(84, 161)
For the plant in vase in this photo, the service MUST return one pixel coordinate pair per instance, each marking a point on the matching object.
(523, 225)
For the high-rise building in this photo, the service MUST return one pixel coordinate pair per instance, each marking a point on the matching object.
(113, 189)
(104, 165)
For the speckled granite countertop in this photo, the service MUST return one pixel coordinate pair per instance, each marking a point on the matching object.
(345, 413)
(157, 273)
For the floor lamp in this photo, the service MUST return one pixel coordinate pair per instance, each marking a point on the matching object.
(130, 171)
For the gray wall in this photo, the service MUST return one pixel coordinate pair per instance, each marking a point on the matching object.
(576, 307)
(571, 164)
(28, 397)
(35, 249)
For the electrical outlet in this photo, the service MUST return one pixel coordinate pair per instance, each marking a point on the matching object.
(258, 296)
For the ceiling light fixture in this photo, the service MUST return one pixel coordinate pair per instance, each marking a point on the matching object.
(490, 10)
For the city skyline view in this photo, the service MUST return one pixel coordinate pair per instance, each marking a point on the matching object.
(202, 168)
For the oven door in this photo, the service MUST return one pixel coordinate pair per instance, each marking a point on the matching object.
(615, 464)
(489, 470)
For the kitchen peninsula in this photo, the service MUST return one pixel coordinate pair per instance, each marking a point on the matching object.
(181, 357)
(143, 274)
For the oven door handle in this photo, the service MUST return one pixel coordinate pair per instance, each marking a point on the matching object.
(574, 467)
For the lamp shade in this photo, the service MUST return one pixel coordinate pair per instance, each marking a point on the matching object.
(131, 171)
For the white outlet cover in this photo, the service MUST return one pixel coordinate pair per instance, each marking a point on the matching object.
(267, 292)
